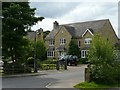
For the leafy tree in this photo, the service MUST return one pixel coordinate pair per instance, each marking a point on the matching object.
(117, 45)
(45, 33)
(40, 50)
(18, 17)
(73, 48)
(104, 67)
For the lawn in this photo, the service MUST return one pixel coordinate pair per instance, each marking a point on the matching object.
(94, 86)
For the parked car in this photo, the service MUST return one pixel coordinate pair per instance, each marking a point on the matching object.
(71, 59)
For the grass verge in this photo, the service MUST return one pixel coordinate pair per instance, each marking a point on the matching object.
(94, 86)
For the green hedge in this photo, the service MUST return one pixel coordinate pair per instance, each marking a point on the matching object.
(49, 61)
(48, 66)
(16, 68)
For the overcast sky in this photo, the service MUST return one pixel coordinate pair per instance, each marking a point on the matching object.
(70, 12)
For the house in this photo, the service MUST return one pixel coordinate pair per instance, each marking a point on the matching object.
(57, 41)
(38, 34)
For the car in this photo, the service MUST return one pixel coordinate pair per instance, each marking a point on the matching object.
(71, 59)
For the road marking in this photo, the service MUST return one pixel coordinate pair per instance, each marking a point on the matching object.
(48, 84)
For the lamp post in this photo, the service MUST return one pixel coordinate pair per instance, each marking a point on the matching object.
(35, 61)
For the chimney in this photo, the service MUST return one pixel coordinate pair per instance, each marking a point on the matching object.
(40, 34)
(40, 30)
(55, 25)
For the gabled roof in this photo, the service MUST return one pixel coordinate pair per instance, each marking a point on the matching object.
(81, 27)
(52, 34)
(70, 29)
(77, 29)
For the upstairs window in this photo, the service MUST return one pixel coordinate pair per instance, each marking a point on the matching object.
(51, 43)
(88, 40)
(62, 41)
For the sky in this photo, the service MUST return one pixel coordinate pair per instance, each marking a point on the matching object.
(71, 12)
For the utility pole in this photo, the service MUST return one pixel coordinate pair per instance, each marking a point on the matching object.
(35, 61)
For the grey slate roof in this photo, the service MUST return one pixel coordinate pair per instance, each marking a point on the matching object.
(31, 35)
(52, 34)
(77, 29)
(81, 27)
(86, 48)
(51, 49)
(61, 48)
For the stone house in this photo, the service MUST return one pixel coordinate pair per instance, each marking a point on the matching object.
(38, 35)
(57, 41)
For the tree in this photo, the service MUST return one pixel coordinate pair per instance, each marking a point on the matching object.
(73, 48)
(18, 17)
(45, 33)
(103, 62)
(40, 50)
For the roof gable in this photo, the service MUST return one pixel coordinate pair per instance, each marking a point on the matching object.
(88, 30)
(63, 28)
(52, 34)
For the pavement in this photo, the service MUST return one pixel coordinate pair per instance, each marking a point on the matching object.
(25, 75)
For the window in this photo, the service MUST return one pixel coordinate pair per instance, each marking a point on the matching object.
(79, 43)
(51, 43)
(88, 40)
(50, 54)
(84, 53)
(62, 41)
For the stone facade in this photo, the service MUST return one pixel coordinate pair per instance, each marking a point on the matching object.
(57, 42)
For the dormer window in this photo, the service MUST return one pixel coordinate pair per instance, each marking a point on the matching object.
(88, 40)
(62, 41)
(51, 43)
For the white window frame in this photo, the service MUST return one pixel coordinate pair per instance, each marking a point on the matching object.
(88, 40)
(51, 42)
(62, 41)
(84, 53)
(79, 43)
(50, 53)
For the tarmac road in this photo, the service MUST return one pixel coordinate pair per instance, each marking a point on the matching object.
(51, 79)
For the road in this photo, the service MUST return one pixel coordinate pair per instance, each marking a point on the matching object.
(52, 79)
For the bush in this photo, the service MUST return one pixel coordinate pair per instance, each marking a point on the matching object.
(48, 66)
(11, 68)
(104, 68)
(49, 61)
(84, 60)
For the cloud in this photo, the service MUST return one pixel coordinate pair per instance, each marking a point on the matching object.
(66, 13)
(52, 9)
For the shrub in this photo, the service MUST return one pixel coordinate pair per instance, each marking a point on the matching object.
(84, 60)
(11, 68)
(48, 66)
(49, 61)
(104, 64)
